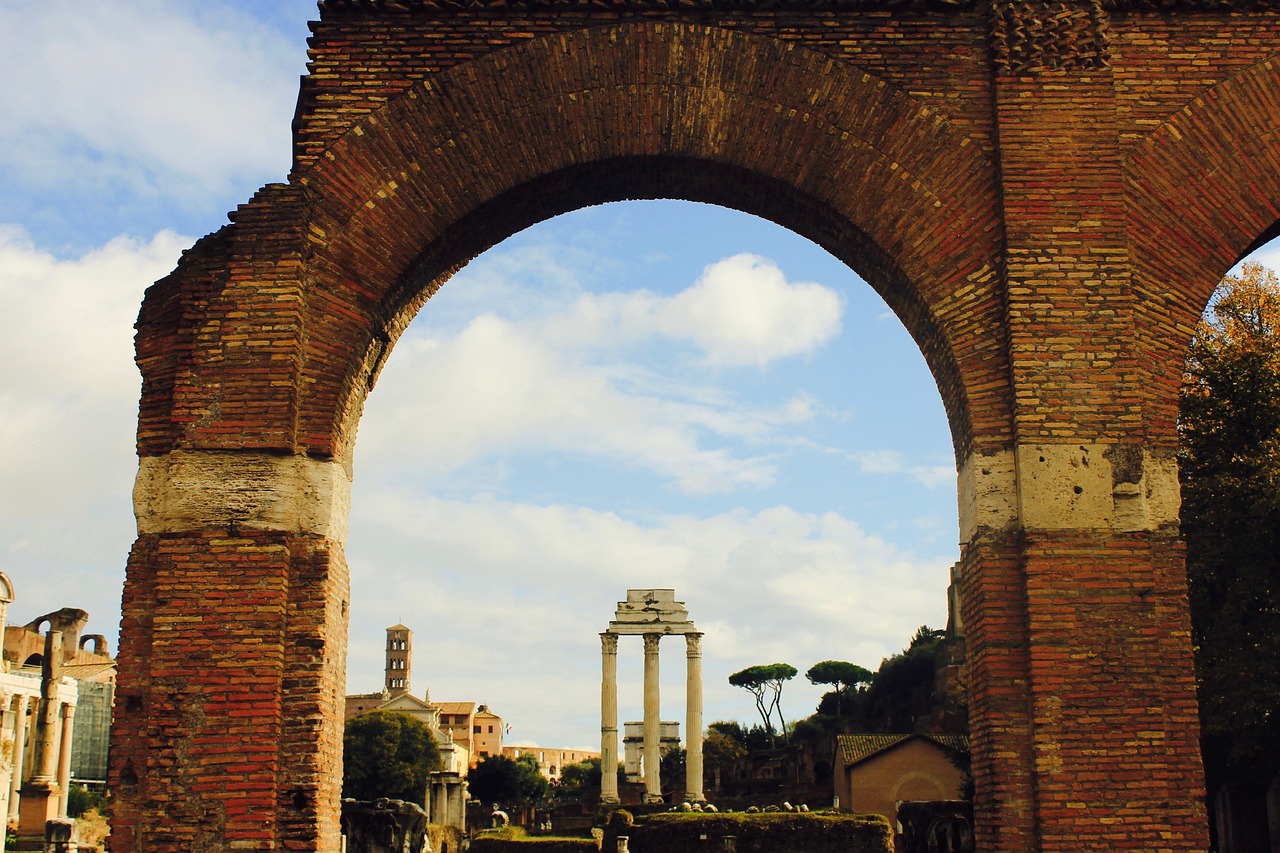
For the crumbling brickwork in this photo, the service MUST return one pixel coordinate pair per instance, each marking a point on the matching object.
(1045, 192)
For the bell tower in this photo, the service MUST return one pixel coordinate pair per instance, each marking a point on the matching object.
(399, 657)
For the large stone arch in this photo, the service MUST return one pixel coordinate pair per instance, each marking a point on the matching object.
(981, 172)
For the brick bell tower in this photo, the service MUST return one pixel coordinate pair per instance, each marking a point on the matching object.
(399, 660)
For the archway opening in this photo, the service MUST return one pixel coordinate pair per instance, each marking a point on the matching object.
(1228, 430)
(647, 394)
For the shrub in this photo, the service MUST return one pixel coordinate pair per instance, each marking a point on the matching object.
(487, 844)
(80, 799)
(764, 833)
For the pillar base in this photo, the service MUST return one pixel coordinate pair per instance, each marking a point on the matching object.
(610, 801)
(38, 806)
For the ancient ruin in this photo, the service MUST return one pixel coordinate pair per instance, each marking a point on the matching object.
(1045, 192)
(651, 614)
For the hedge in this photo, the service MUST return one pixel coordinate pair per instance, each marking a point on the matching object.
(684, 832)
(526, 845)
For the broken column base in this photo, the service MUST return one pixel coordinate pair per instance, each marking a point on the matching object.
(59, 836)
(384, 826)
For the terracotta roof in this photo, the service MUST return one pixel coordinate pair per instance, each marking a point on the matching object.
(456, 707)
(854, 749)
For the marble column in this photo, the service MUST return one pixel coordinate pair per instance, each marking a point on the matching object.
(609, 718)
(45, 770)
(457, 808)
(19, 754)
(652, 724)
(439, 801)
(64, 758)
(693, 719)
(40, 794)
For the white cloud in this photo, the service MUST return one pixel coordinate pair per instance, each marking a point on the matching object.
(552, 380)
(68, 414)
(502, 388)
(519, 591)
(893, 462)
(742, 311)
(142, 97)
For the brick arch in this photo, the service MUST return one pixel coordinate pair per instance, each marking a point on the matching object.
(1203, 190)
(982, 179)
(449, 168)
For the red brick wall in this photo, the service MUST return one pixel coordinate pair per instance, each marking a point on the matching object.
(1046, 206)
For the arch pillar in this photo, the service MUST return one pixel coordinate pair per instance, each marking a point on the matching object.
(228, 722)
(1072, 592)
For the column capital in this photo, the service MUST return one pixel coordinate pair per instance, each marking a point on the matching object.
(608, 643)
(693, 644)
(651, 643)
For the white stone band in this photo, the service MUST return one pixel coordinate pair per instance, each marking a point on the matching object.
(1065, 487)
(197, 490)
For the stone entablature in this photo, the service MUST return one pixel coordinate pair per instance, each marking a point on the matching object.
(651, 611)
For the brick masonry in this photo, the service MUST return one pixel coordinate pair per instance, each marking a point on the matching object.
(1045, 192)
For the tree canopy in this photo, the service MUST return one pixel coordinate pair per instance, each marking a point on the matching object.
(895, 698)
(501, 780)
(840, 674)
(764, 682)
(1229, 467)
(387, 754)
(581, 774)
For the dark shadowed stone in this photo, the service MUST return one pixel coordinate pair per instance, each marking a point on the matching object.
(384, 826)
(936, 826)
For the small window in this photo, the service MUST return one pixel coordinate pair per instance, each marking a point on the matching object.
(476, 731)
(490, 729)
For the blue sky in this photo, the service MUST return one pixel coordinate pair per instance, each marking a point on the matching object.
(645, 394)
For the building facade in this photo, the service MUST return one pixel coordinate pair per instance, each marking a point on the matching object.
(551, 761)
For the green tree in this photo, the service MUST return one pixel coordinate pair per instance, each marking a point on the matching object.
(902, 689)
(842, 675)
(498, 779)
(80, 800)
(1229, 468)
(387, 754)
(754, 738)
(764, 682)
(583, 774)
(671, 769)
(720, 751)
